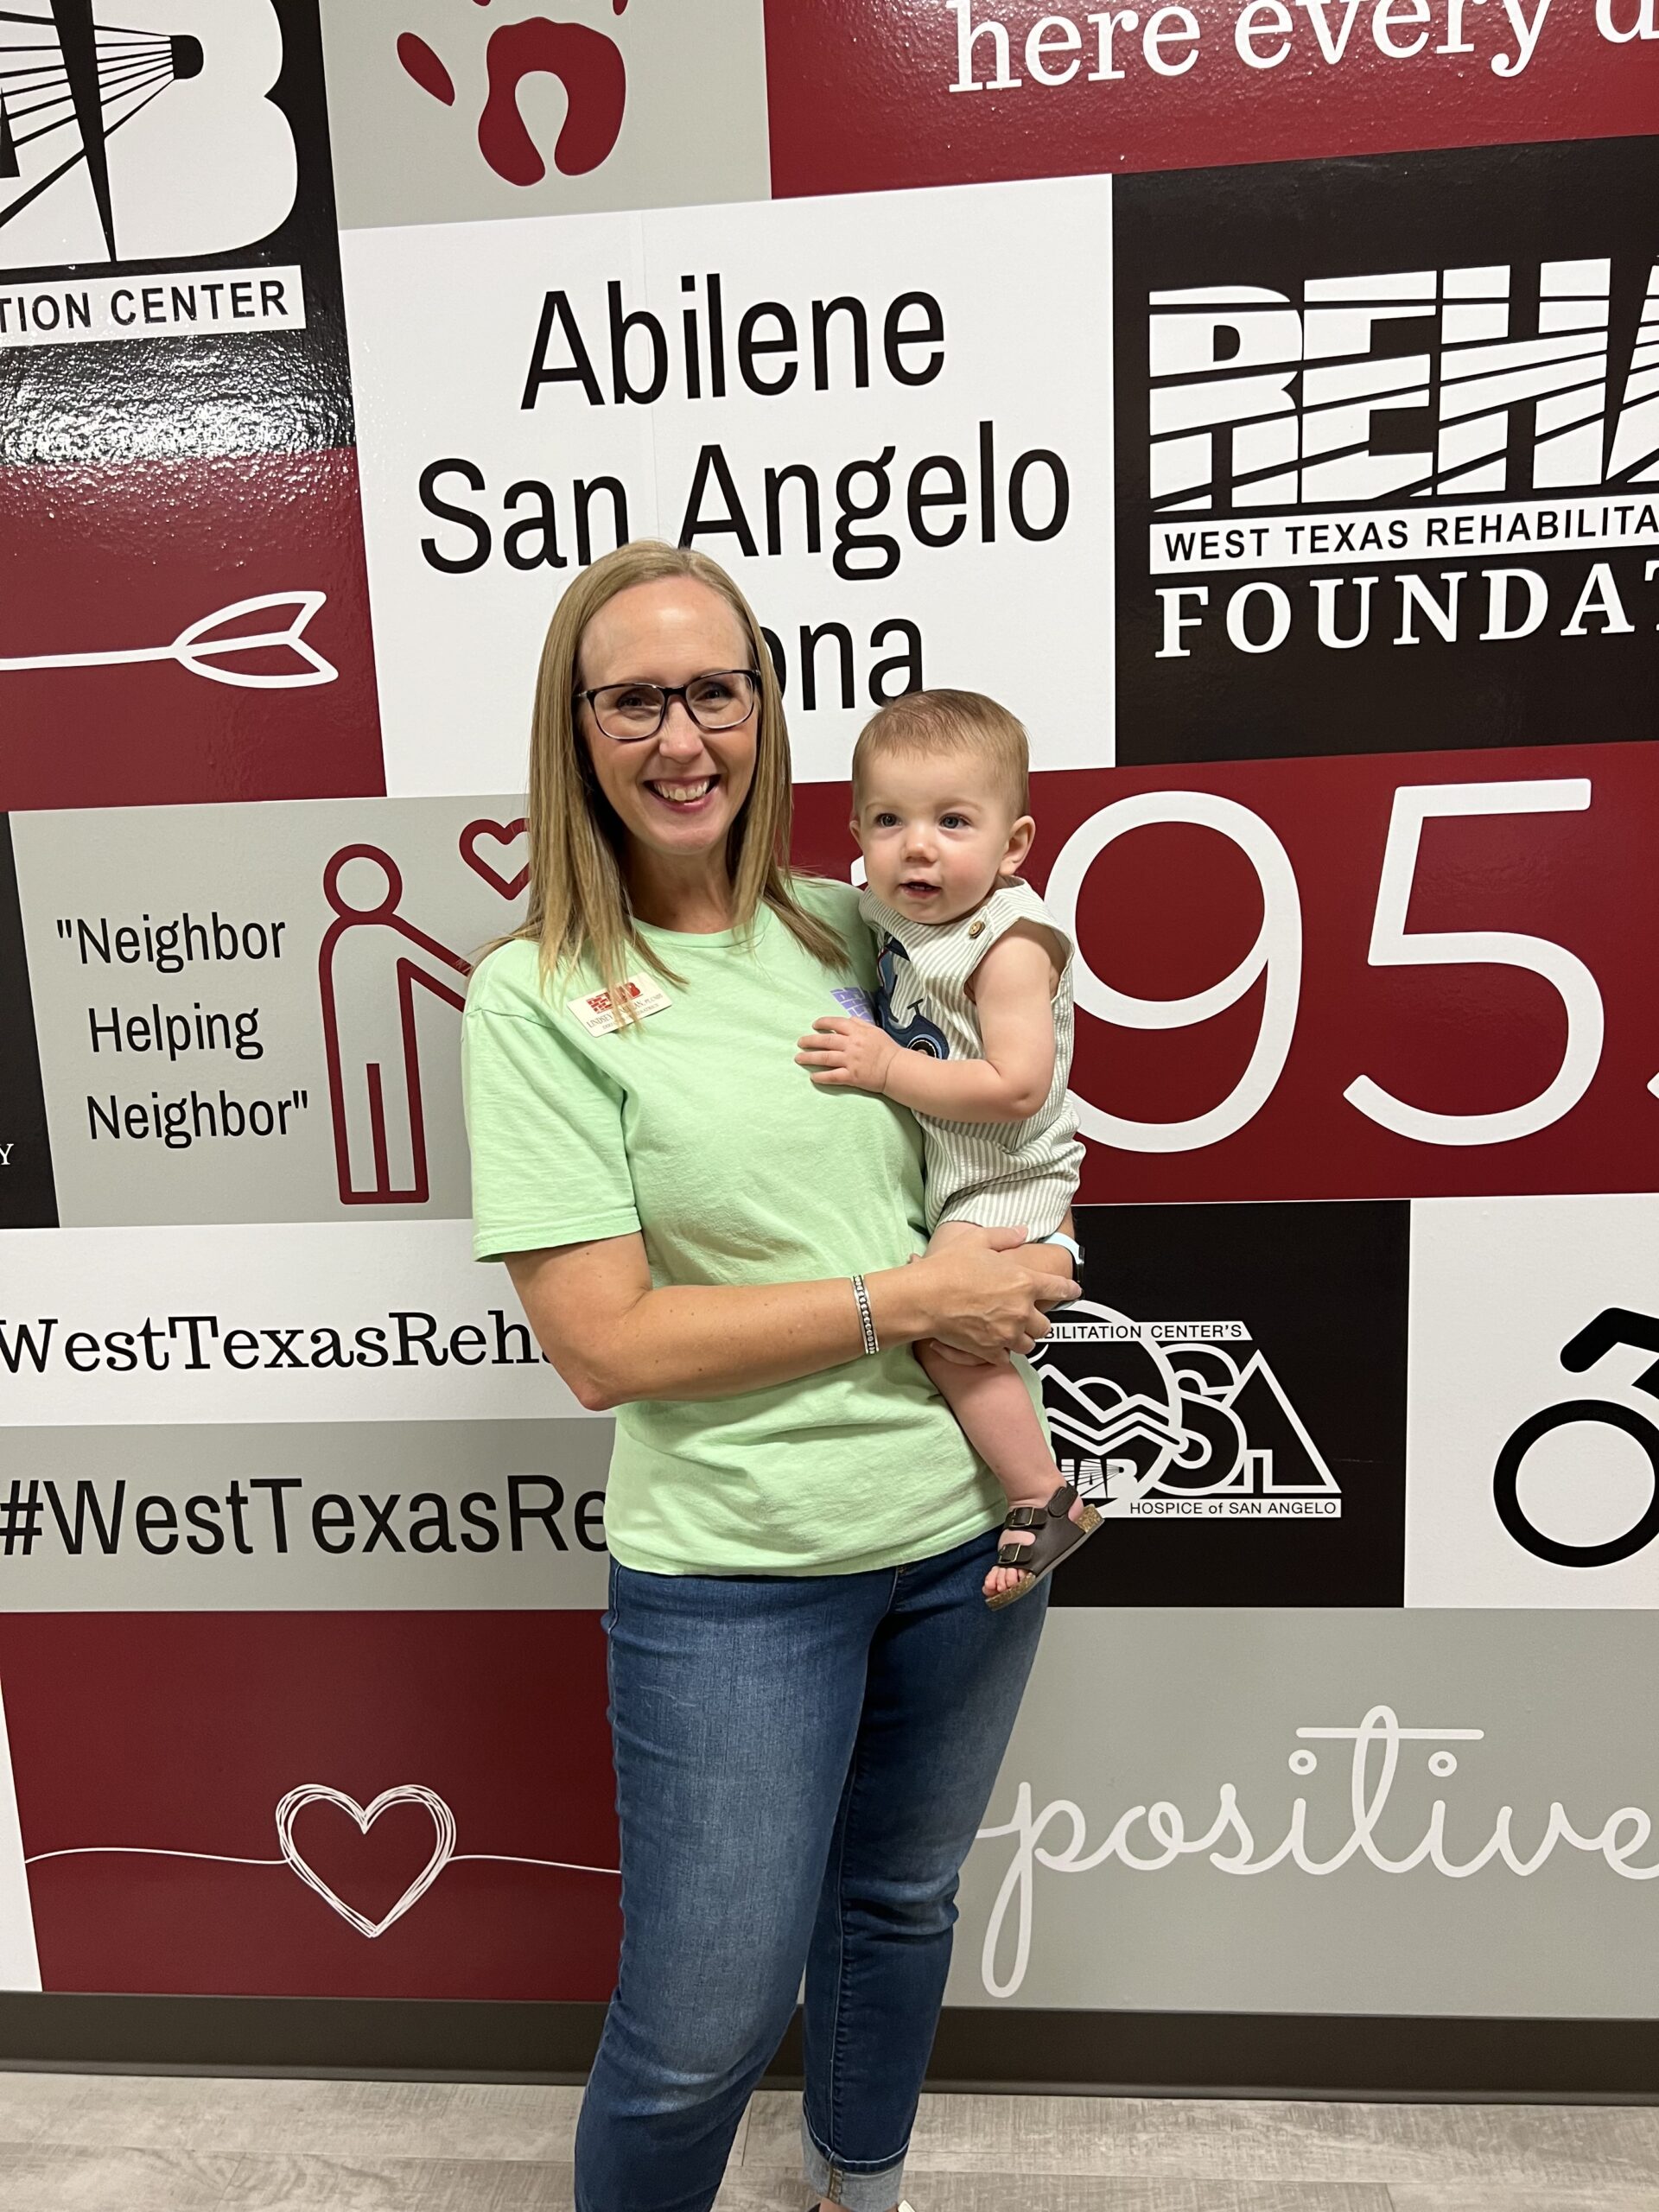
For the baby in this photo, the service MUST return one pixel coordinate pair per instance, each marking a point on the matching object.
(975, 1038)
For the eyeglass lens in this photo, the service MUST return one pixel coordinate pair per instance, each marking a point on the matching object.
(635, 711)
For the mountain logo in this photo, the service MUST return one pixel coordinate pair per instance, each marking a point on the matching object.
(1177, 1419)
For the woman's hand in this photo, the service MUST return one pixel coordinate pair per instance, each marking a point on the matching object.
(986, 1296)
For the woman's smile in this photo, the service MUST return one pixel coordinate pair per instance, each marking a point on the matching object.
(684, 798)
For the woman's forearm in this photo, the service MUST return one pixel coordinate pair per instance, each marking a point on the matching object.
(689, 1341)
(615, 1337)
(685, 1341)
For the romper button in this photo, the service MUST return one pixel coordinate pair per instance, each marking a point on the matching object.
(976, 929)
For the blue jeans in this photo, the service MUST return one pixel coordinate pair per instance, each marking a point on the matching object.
(801, 1765)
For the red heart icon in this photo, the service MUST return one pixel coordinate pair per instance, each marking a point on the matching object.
(498, 833)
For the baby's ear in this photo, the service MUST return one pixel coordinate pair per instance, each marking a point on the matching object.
(852, 824)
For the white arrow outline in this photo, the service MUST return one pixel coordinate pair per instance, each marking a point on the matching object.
(191, 653)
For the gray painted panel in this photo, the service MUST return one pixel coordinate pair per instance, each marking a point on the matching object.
(185, 982)
(1397, 1908)
(691, 125)
(530, 1487)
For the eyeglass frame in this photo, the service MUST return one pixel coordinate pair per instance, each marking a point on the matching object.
(671, 692)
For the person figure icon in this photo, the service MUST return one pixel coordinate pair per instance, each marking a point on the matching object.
(372, 957)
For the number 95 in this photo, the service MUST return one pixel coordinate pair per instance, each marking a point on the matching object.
(1276, 955)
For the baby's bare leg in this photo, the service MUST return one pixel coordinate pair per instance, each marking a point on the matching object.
(995, 1412)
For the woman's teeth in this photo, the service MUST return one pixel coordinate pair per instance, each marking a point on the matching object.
(684, 794)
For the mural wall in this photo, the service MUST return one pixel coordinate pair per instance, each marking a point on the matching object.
(1263, 399)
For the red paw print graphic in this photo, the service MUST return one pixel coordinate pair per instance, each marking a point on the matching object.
(588, 64)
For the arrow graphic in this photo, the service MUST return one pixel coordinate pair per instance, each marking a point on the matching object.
(199, 650)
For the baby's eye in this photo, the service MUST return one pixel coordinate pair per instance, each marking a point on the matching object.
(955, 821)
(886, 821)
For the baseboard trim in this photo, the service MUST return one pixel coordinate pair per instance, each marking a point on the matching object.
(1435, 2059)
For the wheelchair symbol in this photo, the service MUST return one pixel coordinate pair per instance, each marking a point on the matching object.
(1616, 1325)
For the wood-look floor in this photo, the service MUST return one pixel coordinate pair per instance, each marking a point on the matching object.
(104, 2143)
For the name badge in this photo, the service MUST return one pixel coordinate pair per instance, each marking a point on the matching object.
(598, 1016)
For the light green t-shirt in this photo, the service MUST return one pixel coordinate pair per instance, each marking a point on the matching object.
(697, 1128)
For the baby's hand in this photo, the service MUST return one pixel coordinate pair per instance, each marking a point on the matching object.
(844, 1055)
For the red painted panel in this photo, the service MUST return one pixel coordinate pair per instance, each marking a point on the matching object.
(859, 95)
(131, 564)
(1171, 909)
(184, 1732)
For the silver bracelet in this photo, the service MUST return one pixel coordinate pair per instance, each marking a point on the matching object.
(865, 1318)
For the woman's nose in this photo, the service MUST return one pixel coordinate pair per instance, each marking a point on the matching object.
(679, 734)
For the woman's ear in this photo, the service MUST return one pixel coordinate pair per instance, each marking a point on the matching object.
(1019, 843)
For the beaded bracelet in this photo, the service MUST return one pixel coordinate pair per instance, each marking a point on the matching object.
(865, 1318)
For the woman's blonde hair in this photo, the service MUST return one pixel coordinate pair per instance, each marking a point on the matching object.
(578, 889)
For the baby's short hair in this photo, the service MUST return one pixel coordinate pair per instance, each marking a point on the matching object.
(929, 723)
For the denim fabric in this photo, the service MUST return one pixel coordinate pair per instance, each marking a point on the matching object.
(801, 1764)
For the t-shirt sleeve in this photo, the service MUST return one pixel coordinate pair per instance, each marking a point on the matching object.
(545, 1127)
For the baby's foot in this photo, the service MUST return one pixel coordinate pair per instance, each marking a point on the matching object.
(1001, 1579)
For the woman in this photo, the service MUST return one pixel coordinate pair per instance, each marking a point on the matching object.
(808, 1698)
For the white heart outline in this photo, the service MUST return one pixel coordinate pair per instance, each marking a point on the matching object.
(407, 1793)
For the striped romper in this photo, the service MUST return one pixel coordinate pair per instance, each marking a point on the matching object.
(996, 1173)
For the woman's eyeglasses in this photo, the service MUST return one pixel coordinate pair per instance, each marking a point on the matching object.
(627, 712)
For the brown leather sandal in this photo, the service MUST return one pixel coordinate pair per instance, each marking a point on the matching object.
(1056, 1535)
